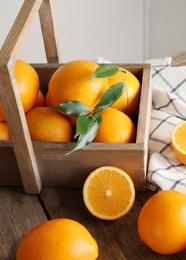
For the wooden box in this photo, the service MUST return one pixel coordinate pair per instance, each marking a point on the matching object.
(37, 164)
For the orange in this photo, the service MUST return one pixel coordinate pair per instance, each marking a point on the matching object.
(129, 100)
(2, 115)
(48, 100)
(58, 239)
(162, 222)
(70, 82)
(178, 141)
(4, 132)
(46, 124)
(40, 100)
(116, 127)
(108, 193)
(28, 85)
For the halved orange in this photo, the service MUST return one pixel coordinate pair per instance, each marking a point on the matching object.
(178, 141)
(108, 193)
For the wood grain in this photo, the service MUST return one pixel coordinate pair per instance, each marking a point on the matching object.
(19, 31)
(116, 239)
(49, 32)
(19, 214)
(179, 59)
(19, 132)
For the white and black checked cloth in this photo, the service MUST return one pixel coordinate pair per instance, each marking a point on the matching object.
(168, 109)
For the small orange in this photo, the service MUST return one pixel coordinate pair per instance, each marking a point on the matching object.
(70, 82)
(108, 193)
(58, 239)
(48, 100)
(162, 222)
(116, 127)
(46, 124)
(28, 85)
(40, 100)
(4, 132)
(129, 100)
(178, 141)
(2, 115)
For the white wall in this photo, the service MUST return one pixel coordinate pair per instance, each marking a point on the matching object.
(167, 27)
(119, 30)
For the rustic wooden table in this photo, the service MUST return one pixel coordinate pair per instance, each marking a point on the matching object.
(117, 240)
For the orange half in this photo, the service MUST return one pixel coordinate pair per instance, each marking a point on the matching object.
(178, 141)
(108, 193)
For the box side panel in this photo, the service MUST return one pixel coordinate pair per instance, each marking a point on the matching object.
(57, 169)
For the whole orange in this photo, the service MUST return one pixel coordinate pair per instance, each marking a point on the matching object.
(48, 100)
(46, 124)
(116, 127)
(28, 85)
(4, 131)
(162, 222)
(40, 100)
(71, 82)
(58, 239)
(129, 100)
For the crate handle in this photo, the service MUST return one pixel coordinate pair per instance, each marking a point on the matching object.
(11, 102)
(179, 59)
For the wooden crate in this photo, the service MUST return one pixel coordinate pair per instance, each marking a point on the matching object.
(37, 164)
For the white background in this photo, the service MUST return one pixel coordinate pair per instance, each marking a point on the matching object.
(119, 30)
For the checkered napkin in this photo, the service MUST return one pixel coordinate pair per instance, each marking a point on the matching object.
(168, 109)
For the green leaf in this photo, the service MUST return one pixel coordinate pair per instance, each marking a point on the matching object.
(74, 108)
(82, 124)
(96, 116)
(110, 96)
(87, 138)
(105, 71)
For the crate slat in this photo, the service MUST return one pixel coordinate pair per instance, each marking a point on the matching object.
(9, 95)
(49, 32)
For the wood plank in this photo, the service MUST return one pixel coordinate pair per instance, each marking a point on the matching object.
(19, 214)
(49, 32)
(19, 132)
(116, 239)
(67, 203)
(179, 59)
(10, 97)
(15, 39)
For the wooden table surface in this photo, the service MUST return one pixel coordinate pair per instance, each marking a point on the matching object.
(117, 240)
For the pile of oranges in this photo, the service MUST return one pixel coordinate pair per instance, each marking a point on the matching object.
(70, 82)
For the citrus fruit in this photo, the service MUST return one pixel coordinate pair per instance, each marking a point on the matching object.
(4, 132)
(116, 127)
(2, 115)
(178, 141)
(40, 100)
(48, 100)
(28, 85)
(129, 100)
(46, 124)
(162, 222)
(70, 82)
(58, 239)
(108, 193)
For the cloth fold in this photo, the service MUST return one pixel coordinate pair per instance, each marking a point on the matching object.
(165, 171)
